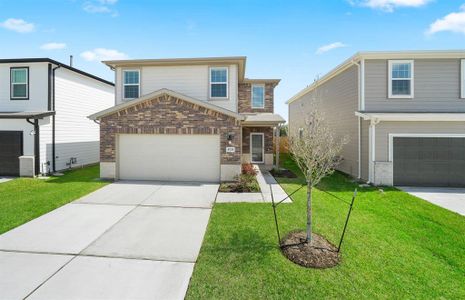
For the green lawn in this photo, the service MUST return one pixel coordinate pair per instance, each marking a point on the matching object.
(24, 199)
(397, 246)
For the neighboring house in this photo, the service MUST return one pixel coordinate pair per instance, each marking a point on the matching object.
(194, 119)
(404, 113)
(44, 106)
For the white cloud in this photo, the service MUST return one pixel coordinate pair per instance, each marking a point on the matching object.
(18, 25)
(53, 46)
(329, 47)
(454, 22)
(99, 54)
(100, 7)
(389, 5)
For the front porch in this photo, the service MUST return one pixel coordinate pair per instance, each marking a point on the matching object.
(259, 132)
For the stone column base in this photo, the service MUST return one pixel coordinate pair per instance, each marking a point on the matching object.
(384, 173)
(26, 166)
(108, 170)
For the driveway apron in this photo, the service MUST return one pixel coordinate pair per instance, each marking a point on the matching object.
(128, 240)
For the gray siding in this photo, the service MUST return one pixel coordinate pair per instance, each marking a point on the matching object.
(436, 87)
(338, 99)
(383, 130)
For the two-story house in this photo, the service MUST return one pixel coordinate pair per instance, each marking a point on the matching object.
(190, 119)
(44, 106)
(404, 114)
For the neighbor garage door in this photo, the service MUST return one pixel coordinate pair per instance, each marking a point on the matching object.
(11, 147)
(429, 161)
(169, 157)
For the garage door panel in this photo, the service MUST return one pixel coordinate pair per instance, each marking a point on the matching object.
(169, 157)
(429, 161)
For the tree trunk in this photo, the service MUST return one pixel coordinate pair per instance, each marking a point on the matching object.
(309, 208)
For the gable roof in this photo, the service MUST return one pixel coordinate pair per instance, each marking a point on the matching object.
(52, 61)
(238, 60)
(354, 59)
(159, 93)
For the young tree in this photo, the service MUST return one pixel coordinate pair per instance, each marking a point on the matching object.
(315, 149)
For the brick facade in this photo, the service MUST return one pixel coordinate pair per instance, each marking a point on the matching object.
(245, 95)
(268, 136)
(169, 115)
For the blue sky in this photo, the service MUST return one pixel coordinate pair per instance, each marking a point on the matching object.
(292, 40)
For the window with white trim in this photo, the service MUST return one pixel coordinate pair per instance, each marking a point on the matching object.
(131, 84)
(462, 79)
(19, 83)
(400, 79)
(258, 96)
(219, 82)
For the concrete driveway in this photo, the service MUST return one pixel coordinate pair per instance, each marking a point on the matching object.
(452, 199)
(128, 240)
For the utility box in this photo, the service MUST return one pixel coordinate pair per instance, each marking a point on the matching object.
(26, 166)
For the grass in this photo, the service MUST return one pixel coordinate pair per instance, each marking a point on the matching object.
(24, 199)
(396, 246)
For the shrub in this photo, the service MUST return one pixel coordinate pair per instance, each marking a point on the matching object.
(248, 169)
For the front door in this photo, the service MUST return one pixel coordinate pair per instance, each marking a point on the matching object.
(256, 145)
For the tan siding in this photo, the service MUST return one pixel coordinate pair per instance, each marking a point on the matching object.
(192, 81)
(383, 130)
(338, 98)
(436, 87)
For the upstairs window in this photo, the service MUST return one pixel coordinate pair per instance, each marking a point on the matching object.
(131, 84)
(219, 82)
(258, 96)
(19, 83)
(400, 79)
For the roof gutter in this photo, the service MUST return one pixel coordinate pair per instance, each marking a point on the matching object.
(53, 121)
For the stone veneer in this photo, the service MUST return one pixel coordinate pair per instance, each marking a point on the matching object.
(245, 95)
(166, 114)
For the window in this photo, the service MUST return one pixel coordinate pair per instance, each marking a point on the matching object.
(131, 84)
(219, 82)
(19, 83)
(400, 79)
(258, 96)
(462, 79)
(301, 133)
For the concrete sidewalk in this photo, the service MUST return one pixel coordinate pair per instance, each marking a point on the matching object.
(128, 240)
(268, 185)
(452, 199)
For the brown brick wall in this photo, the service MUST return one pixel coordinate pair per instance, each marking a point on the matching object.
(245, 95)
(268, 135)
(169, 115)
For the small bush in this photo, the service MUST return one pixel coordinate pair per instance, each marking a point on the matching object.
(248, 169)
(245, 183)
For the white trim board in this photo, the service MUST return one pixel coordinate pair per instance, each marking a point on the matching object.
(439, 135)
(462, 78)
(399, 116)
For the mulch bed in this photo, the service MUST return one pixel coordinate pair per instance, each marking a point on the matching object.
(283, 173)
(319, 253)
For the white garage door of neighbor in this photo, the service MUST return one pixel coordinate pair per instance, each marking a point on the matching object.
(169, 157)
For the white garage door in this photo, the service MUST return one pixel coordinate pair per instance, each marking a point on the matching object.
(169, 157)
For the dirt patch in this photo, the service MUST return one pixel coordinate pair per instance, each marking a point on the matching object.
(320, 253)
(283, 173)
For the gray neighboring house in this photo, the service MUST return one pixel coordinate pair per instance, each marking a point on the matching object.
(403, 111)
